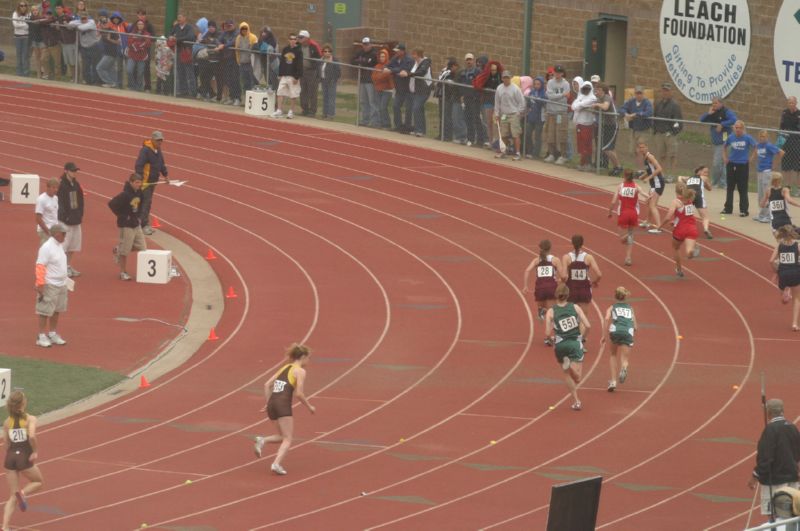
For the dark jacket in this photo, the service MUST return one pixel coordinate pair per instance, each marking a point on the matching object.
(722, 116)
(332, 73)
(397, 65)
(70, 201)
(291, 62)
(667, 110)
(778, 453)
(127, 207)
(366, 59)
(150, 163)
(420, 83)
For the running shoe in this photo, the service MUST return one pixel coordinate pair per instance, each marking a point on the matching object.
(726, 212)
(542, 313)
(628, 261)
(56, 339)
(695, 251)
(709, 236)
(612, 386)
(654, 231)
(629, 239)
(43, 341)
(259, 446)
(561, 161)
(22, 503)
(278, 469)
(515, 157)
(548, 342)
(124, 276)
(644, 224)
(277, 114)
(549, 158)
(577, 406)
(623, 374)
(565, 363)
(148, 230)
(290, 115)
(679, 273)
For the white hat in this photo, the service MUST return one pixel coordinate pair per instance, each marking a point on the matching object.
(365, 40)
(595, 79)
(304, 33)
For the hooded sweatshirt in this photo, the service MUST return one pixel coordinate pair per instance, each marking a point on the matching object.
(582, 106)
(112, 41)
(244, 43)
(557, 92)
(536, 101)
(150, 163)
(126, 205)
(382, 80)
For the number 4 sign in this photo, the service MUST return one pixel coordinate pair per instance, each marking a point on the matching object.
(24, 188)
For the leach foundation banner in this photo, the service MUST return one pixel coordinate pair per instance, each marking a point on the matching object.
(786, 45)
(705, 45)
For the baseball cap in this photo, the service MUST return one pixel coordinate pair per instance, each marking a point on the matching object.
(506, 73)
(58, 227)
(400, 47)
(365, 40)
(638, 88)
(559, 69)
(469, 56)
(595, 79)
(550, 69)
(70, 166)
(157, 135)
(666, 86)
(304, 33)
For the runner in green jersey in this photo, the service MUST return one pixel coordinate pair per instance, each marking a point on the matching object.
(621, 327)
(568, 326)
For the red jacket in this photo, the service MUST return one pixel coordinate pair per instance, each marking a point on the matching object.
(139, 46)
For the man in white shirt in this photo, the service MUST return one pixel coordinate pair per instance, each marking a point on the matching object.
(47, 210)
(51, 286)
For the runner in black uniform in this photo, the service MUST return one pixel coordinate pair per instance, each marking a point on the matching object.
(19, 437)
(700, 182)
(778, 198)
(279, 391)
(652, 174)
(786, 261)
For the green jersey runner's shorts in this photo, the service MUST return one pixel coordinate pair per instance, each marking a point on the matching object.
(570, 348)
(621, 337)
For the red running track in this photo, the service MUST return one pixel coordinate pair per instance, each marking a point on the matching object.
(401, 266)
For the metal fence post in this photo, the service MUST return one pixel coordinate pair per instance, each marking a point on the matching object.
(77, 57)
(598, 144)
(358, 98)
(175, 71)
(442, 104)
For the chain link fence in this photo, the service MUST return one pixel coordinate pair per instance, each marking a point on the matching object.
(216, 70)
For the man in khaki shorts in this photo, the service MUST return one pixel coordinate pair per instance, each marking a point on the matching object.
(290, 70)
(51, 286)
(127, 207)
(509, 104)
(667, 124)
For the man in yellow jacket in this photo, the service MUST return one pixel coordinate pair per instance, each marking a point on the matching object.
(245, 42)
(150, 165)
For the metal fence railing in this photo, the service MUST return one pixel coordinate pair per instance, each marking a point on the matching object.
(336, 90)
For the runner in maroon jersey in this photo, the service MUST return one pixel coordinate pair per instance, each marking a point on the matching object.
(548, 273)
(583, 273)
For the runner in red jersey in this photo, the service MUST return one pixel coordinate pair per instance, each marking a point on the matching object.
(626, 204)
(548, 273)
(682, 213)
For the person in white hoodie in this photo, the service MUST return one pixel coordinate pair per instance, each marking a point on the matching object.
(584, 118)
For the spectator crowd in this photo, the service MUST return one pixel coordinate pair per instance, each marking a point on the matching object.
(481, 103)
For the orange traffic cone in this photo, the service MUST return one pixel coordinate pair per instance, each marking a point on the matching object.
(210, 255)
(143, 383)
(212, 336)
(154, 223)
(231, 293)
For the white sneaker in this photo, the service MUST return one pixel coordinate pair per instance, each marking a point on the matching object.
(561, 160)
(148, 230)
(278, 469)
(290, 115)
(654, 231)
(277, 114)
(43, 341)
(696, 251)
(550, 158)
(259, 446)
(237, 103)
(124, 276)
(56, 339)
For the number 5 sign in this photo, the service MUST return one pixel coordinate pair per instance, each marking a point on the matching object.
(259, 103)
(5, 385)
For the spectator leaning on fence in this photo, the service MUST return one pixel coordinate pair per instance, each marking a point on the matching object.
(245, 42)
(637, 112)
(19, 19)
(290, 70)
(141, 14)
(449, 96)
(666, 126)
(584, 118)
(486, 82)
(383, 81)
(309, 83)
(112, 50)
(790, 165)
(608, 126)
(420, 86)
(476, 133)
(208, 64)
(366, 58)
(139, 42)
(722, 120)
(165, 59)
(230, 69)
(509, 106)
(400, 65)
(329, 74)
(534, 122)
(52, 41)
(91, 49)
(185, 35)
(68, 39)
(556, 116)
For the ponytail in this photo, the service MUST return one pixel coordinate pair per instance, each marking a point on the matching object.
(577, 243)
(544, 248)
